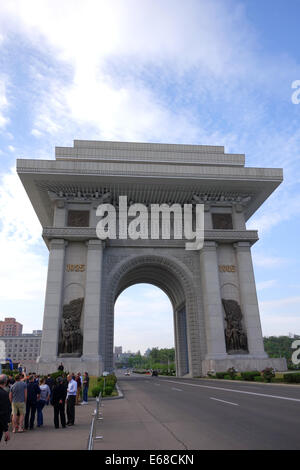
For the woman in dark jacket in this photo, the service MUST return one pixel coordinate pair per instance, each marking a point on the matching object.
(58, 398)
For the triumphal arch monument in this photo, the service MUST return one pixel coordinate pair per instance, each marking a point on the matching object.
(212, 288)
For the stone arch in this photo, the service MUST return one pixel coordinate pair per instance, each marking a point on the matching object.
(174, 278)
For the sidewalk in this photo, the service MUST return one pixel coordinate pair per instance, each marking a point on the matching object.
(126, 424)
(48, 438)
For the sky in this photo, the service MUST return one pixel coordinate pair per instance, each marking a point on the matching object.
(194, 72)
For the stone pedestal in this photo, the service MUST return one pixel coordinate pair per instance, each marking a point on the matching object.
(243, 363)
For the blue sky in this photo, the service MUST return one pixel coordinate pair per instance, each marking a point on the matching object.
(193, 72)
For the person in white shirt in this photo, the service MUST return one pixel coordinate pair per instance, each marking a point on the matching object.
(71, 398)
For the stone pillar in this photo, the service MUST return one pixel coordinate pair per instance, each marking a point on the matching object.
(248, 296)
(175, 316)
(91, 329)
(53, 303)
(213, 310)
(182, 343)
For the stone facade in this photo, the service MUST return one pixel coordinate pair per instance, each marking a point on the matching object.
(86, 275)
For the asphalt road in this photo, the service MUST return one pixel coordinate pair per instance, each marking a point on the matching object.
(213, 414)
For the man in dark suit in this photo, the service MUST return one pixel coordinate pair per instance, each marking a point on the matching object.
(33, 395)
(58, 398)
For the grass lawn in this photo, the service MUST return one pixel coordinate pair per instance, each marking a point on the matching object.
(92, 384)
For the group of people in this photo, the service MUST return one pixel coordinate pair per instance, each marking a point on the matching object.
(23, 398)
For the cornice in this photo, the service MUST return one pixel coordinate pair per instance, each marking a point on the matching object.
(89, 233)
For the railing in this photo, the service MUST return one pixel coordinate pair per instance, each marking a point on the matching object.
(97, 416)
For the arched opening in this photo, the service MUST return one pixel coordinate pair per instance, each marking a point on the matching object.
(143, 320)
(169, 277)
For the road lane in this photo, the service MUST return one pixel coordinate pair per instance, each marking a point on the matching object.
(232, 390)
(223, 401)
(259, 421)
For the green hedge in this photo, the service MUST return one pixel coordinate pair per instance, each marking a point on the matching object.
(249, 376)
(110, 384)
(277, 380)
(59, 373)
(293, 378)
(221, 375)
(259, 378)
(96, 390)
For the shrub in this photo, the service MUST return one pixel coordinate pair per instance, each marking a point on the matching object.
(268, 374)
(109, 381)
(59, 373)
(249, 375)
(220, 375)
(259, 378)
(108, 390)
(13, 372)
(238, 377)
(227, 377)
(278, 380)
(293, 378)
(232, 373)
(96, 390)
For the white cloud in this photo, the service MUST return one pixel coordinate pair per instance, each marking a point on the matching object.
(283, 206)
(266, 284)
(151, 30)
(281, 316)
(23, 261)
(265, 261)
(292, 303)
(130, 35)
(3, 103)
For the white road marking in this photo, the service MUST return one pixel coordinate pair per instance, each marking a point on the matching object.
(223, 401)
(235, 391)
(177, 389)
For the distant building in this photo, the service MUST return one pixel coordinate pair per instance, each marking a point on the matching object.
(24, 347)
(117, 354)
(10, 327)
